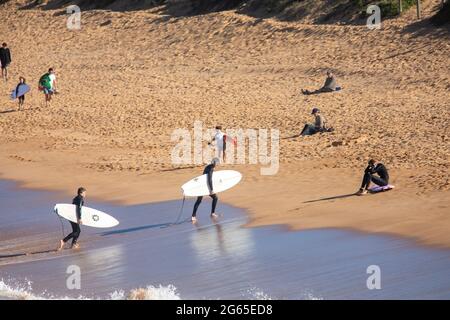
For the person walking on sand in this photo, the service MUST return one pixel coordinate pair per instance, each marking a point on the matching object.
(47, 84)
(5, 60)
(209, 169)
(376, 173)
(329, 86)
(22, 97)
(78, 201)
(221, 144)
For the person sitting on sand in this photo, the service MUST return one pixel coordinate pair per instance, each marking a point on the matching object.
(78, 201)
(209, 169)
(22, 97)
(318, 126)
(329, 86)
(376, 173)
(5, 60)
(47, 84)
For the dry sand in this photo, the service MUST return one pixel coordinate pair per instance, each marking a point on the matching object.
(126, 85)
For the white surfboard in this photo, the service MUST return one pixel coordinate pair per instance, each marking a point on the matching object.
(90, 217)
(222, 180)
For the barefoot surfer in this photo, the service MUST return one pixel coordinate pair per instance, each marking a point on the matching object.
(209, 169)
(78, 201)
(376, 173)
(22, 97)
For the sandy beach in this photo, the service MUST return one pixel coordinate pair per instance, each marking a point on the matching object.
(128, 79)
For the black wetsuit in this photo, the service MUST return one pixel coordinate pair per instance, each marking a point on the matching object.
(369, 175)
(5, 57)
(209, 169)
(21, 98)
(79, 202)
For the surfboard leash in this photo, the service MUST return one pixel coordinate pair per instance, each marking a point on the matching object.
(60, 220)
(181, 211)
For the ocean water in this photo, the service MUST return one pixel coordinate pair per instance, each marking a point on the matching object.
(146, 257)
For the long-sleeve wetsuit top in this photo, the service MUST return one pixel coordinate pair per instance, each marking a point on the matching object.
(78, 201)
(209, 169)
(379, 169)
(17, 88)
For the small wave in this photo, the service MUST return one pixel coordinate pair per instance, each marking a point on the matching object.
(148, 293)
(257, 294)
(16, 293)
(310, 296)
(24, 292)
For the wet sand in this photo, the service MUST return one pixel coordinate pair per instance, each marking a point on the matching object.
(122, 96)
(144, 258)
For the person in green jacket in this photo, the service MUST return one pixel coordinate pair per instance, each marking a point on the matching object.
(47, 84)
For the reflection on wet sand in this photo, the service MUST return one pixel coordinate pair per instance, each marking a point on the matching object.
(149, 256)
(212, 242)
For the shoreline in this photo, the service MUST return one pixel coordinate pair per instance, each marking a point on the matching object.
(327, 264)
(129, 192)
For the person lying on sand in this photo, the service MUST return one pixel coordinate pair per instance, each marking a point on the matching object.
(209, 169)
(318, 126)
(78, 201)
(329, 86)
(370, 175)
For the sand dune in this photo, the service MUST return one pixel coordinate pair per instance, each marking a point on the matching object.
(128, 79)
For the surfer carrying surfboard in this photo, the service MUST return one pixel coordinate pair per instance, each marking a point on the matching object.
(209, 169)
(21, 98)
(376, 173)
(78, 201)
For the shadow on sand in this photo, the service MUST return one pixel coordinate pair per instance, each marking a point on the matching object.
(13, 255)
(332, 198)
(288, 10)
(15, 110)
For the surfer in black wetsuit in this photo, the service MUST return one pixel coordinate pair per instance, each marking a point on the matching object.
(209, 169)
(376, 173)
(22, 97)
(78, 201)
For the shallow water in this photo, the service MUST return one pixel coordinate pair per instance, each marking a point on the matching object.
(219, 260)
